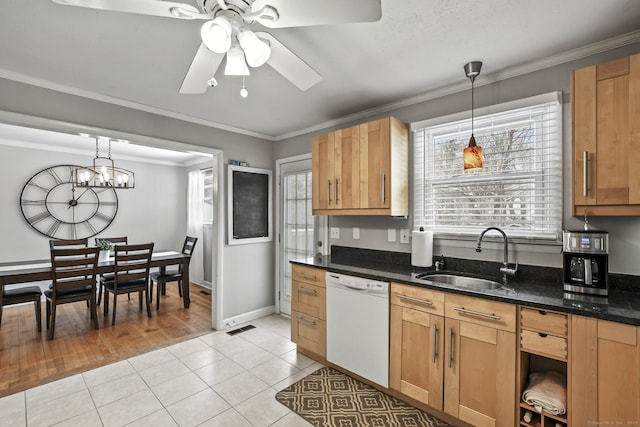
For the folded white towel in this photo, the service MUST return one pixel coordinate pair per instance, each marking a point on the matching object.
(547, 391)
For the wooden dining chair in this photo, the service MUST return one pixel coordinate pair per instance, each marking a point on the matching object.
(162, 277)
(108, 276)
(132, 263)
(22, 295)
(74, 279)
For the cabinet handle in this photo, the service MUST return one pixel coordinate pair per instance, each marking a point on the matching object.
(542, 312)
(329, 190)
(434, 353)
(450, 347)
(307, 322)
(585, 176)
(336, 189)
(476, 313)
(382, 189)
(307, 291)
(307, 276)
(419, 301)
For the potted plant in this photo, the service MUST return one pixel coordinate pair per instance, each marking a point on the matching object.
(105, 249)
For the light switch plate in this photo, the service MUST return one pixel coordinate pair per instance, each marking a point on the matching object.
(356, 233)
(391, 235)
(335, 232)
(404, 236)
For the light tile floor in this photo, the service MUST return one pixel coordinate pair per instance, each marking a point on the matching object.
(214, 380)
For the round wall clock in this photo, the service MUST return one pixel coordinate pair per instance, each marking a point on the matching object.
(54, 207)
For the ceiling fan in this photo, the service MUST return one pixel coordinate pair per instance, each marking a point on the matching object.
(229, 32)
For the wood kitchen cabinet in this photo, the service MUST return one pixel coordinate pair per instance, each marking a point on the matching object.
(417, 343)
(544, 346)
(309, 311)
(604, 372)
(605, 106)
(474, 352)
(362, 170)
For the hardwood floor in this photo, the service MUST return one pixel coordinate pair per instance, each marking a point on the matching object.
(28, 359)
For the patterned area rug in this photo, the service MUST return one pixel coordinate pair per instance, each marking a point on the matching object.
(328, 398)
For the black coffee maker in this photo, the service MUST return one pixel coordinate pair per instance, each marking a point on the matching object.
(585, 262)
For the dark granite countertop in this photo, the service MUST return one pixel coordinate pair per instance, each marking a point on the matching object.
(534, 286)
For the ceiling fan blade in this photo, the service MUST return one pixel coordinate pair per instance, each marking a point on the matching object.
(204, 66)
(299, 13)
(289, 65)
(165, 9)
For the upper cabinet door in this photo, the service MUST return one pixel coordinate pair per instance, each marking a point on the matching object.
(322, 166)
(375, 164)
(347, 168)
(605, 106)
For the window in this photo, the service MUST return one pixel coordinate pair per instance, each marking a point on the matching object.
(520, 187)
(207, 185)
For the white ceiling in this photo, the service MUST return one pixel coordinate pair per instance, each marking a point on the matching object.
(418, 47)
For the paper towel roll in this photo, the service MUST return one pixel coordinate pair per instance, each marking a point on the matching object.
(422, 248)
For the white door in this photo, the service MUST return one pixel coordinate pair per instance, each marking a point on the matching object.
(297, 223)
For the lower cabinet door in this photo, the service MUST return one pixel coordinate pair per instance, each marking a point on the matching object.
(309, 333)
(604, 373)
(479, 374)
(416, 358)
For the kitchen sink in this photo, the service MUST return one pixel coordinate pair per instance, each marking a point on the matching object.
(461, 281)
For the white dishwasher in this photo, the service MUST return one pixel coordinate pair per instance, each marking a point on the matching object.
(358, 326)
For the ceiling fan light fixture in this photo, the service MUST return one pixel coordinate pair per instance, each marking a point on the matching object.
(216, 34)
(236, 64)
(256, 51)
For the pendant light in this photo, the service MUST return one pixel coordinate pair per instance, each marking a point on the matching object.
(473, 153)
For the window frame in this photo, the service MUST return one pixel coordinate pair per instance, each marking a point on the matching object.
(462, 121)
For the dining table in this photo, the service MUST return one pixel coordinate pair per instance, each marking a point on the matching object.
(40, 270)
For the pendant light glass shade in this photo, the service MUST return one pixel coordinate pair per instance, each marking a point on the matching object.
(236, 65)
(472, 155)
(256, 51)
(216, 34)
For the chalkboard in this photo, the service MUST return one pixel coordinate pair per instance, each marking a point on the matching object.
(249, 214)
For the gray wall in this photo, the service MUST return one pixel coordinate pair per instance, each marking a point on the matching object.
(624, 232)
(244, 289)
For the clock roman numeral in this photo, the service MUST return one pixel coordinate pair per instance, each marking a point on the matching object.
(91, 227)
(38, 217)
(54, 227)
(102, 216)
(33, 184)
(55, 176)
(32, 202)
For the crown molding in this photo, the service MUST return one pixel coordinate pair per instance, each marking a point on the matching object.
(529, 67)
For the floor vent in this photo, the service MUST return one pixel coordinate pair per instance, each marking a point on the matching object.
(205, 292)
(240, 330)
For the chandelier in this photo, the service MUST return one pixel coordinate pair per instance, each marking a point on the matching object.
(103, 173)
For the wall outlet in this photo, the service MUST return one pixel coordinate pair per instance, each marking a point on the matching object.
(335, 232)
(404, 236)
(391, 235)
(356, 233)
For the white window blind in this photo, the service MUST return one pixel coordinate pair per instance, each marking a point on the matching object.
(519, 188)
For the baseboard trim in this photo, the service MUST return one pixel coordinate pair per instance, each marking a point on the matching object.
(230, 322)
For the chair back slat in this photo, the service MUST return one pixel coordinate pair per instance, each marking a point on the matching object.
(69, 244)
(189, 245)
(73, 268)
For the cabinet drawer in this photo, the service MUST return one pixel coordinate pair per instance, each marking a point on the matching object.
(309, 299)
(303, 273)
(309, 333)
(544, 321)
(548, 345)
(417, 298)
(498, 315)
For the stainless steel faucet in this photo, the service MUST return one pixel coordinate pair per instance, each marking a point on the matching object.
(505, 270)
